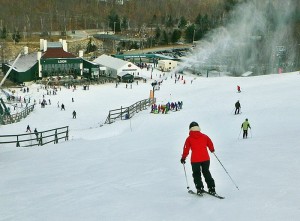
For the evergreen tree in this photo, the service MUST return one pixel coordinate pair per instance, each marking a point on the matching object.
(90, 47)
(124, 24)
(182, 22)
(16, 36)
(176, 35)
(157, 34)
(169, 22)
(114, 21)
(189, 33)
(165, 38)
(3, 33)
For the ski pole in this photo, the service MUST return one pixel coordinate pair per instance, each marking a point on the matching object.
(186, 178)
(240, 133)
(226, 171)
(251, 132)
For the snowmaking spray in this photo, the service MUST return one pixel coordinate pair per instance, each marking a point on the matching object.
(257, 38)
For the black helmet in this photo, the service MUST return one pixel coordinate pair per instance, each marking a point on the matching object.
(193, 124)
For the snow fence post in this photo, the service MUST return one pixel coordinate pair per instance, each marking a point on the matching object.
(55, 137)
(40, 139)
(121, 114)
(18, 143)
(67, 134)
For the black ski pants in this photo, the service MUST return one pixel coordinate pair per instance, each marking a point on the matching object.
(245, 133)
(204, 168)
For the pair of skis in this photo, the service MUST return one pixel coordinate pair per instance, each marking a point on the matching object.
(206, 192)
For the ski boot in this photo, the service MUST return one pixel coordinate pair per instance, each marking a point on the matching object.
(200, 191)
(212, 190)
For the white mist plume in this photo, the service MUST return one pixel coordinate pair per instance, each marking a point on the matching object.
(258, 38)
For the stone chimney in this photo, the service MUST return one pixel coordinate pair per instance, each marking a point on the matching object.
(25, 50)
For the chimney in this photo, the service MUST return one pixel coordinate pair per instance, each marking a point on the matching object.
(41, 44)
(81, 53)
(65, 45)
(25, 50)
(45, 45)
(39, 55)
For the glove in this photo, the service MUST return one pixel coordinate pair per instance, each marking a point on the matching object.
(182, 161)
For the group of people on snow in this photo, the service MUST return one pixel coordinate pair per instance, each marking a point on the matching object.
(165, 108)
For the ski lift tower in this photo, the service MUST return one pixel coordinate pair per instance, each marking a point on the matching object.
(8, 72)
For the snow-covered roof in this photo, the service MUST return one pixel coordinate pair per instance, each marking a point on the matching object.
(123, 73)
(25, 62)
(54, 45)
(164, 57)
(111, 62)
(167, 61)
(248, 73)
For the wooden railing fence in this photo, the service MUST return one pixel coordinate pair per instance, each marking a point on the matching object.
(9, 119)
(36, 139)
(124, 113)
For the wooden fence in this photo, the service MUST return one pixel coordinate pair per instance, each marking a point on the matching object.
(9, 119)
(36, 139)
(124, 113)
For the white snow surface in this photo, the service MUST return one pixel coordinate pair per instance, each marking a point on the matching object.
(131, 170)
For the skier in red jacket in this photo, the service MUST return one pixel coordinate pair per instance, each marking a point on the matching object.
(198, 143)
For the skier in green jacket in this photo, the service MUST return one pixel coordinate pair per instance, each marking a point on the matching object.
(245, 126)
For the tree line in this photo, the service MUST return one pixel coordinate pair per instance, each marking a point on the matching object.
(155, 22)
(23, 18)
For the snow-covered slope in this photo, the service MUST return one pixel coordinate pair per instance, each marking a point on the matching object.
(130, 170)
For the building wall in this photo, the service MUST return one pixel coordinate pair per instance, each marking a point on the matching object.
(110, 72)
(21, 77)
(58, 67)
(166, 65)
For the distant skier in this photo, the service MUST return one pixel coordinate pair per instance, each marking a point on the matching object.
(62, 107)
(239, 89)
(237, 107)
(74, 114)
(198, 142)
(36, 134)
(28, 129)
(245, 126)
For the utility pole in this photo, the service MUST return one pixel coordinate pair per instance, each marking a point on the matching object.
(2, 52)
(194, 36)
(114, 36)
(115, 27)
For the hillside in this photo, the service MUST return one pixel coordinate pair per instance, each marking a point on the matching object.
(130, 170)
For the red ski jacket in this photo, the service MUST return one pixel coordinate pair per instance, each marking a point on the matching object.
(198, 143)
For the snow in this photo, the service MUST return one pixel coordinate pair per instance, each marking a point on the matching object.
(130, 170)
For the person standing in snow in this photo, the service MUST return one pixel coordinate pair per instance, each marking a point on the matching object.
(28, 129)
(245, 126)
(74, 114)
(237, 107)
(239, 89)
(198, 143)
(36, 134)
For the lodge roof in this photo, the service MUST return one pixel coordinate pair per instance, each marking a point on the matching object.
(25, 62)
(57, 53)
